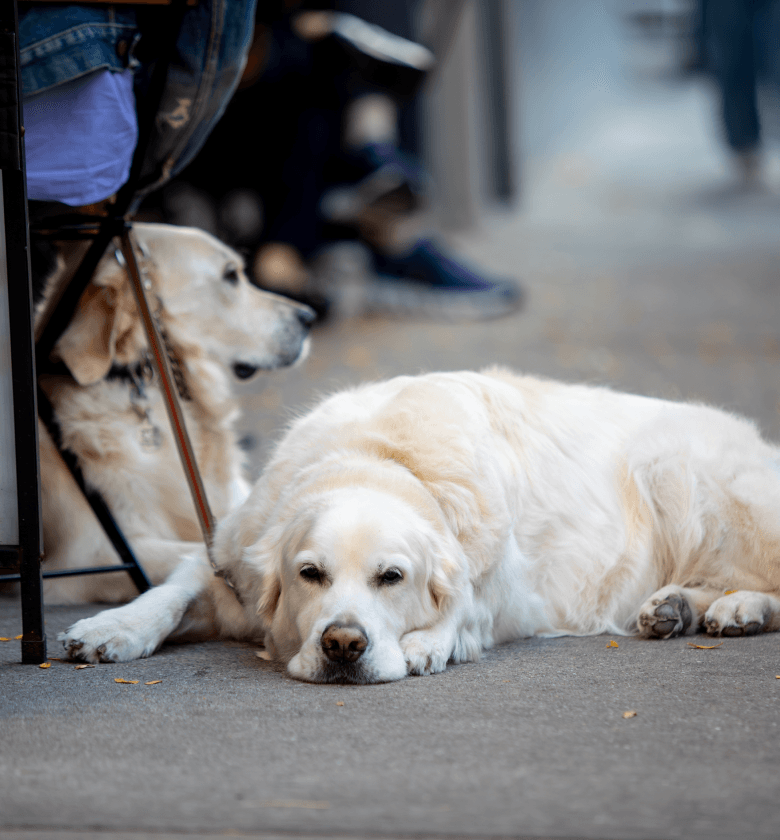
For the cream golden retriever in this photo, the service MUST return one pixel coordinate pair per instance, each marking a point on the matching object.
(414, 522)
(111, 413)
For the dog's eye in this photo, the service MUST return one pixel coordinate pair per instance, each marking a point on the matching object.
(231, 274)
(391, 576)
(311, 573)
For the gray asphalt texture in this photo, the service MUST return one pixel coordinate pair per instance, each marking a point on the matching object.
(645, 271)
(532, 741)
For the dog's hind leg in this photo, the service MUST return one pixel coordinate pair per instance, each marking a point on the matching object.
(752, 546)
(674, 610)
(137, 629)
(743, 613)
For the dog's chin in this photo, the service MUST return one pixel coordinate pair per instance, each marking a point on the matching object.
(347, 673)
(317, 669)
(381, 663)
(290, 357)
(351, 673)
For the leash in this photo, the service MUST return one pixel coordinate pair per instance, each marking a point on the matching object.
(162, 366)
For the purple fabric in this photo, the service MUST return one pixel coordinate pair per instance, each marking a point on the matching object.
(80, 137)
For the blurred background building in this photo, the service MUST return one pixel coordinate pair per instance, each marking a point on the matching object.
(619, 90)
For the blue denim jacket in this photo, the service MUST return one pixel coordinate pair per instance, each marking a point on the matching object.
(60, 43)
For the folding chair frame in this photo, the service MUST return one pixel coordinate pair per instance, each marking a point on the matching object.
(101, 231)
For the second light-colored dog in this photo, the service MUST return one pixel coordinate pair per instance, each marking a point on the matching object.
(110, 410)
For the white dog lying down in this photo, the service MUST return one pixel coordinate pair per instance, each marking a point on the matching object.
(409, 523)
(112, 416)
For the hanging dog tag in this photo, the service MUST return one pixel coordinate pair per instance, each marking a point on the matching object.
(151, 437)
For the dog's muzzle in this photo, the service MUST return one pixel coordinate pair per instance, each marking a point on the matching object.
(343, 643)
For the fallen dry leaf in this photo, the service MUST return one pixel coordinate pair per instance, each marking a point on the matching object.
(20, 636)
(730, 591)
(704, 647)
(630, 714)
(4, 639)
(80, 667)
(612, 643)
(152, 682)
(126, 682)
(339, 702)
(45, 665)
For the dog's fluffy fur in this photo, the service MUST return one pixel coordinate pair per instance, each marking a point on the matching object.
(409, 523)
(112, 415)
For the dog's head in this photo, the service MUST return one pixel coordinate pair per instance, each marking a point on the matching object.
(204, 302)
(346, 575)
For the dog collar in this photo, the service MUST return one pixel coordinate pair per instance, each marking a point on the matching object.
(138, 375)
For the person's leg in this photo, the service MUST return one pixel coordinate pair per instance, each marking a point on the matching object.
(730, 41)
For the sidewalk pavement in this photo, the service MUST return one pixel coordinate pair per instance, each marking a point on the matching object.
(531, 742)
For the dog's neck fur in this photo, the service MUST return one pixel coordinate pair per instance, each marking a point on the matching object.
(203, 391)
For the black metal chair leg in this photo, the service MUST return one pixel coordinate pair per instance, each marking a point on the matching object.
(17, 266)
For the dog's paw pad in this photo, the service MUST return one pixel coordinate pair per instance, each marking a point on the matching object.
(664, 616)
(80, 650)
(736, 630)
(737, 614)
(75, 649)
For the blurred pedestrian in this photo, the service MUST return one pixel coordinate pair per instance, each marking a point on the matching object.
(741, 40)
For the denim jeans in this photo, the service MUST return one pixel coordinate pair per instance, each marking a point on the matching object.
(60, 43)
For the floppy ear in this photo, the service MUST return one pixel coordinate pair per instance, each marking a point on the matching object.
(441, 588)
(447, 564)
(277, 544)
(88, 345)
(261, 567)
(269, 598)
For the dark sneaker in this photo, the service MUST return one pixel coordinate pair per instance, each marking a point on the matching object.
(430, 282)
(381, 175)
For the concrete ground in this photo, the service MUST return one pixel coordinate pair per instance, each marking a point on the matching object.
(644, 271)
(530, 742)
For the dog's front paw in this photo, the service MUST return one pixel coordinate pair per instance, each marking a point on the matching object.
(664, 615)
(425, 652)
(105, 638)
(738, 614)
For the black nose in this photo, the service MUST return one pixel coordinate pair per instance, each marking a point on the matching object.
(244, 371)
(306, 315)
(344, 642)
